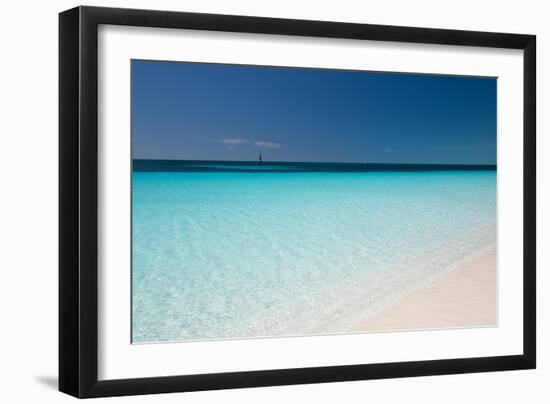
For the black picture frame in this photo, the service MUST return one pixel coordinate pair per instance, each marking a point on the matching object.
(78, 201)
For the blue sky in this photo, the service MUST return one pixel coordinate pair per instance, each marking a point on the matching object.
(195, 111)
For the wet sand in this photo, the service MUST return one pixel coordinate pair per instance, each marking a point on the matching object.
(465, 297)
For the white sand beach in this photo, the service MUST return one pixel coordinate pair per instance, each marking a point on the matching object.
(465, 297)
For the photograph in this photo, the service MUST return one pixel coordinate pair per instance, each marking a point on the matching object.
(273, 201)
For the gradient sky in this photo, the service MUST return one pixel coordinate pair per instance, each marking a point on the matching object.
(196, 111)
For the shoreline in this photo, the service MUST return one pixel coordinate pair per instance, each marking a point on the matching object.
(464, 297)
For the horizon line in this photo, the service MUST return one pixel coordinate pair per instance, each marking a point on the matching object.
(319, 162)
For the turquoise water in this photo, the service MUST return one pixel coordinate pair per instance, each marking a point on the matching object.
(239, 252)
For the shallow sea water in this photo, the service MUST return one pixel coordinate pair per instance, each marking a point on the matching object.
(224, 252)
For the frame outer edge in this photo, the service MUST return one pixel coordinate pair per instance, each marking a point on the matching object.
(529, 198)
(69, 80)
(88, 203)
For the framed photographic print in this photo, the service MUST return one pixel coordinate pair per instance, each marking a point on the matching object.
(251, 201)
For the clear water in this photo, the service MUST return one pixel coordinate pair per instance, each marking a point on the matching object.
(237, 252)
